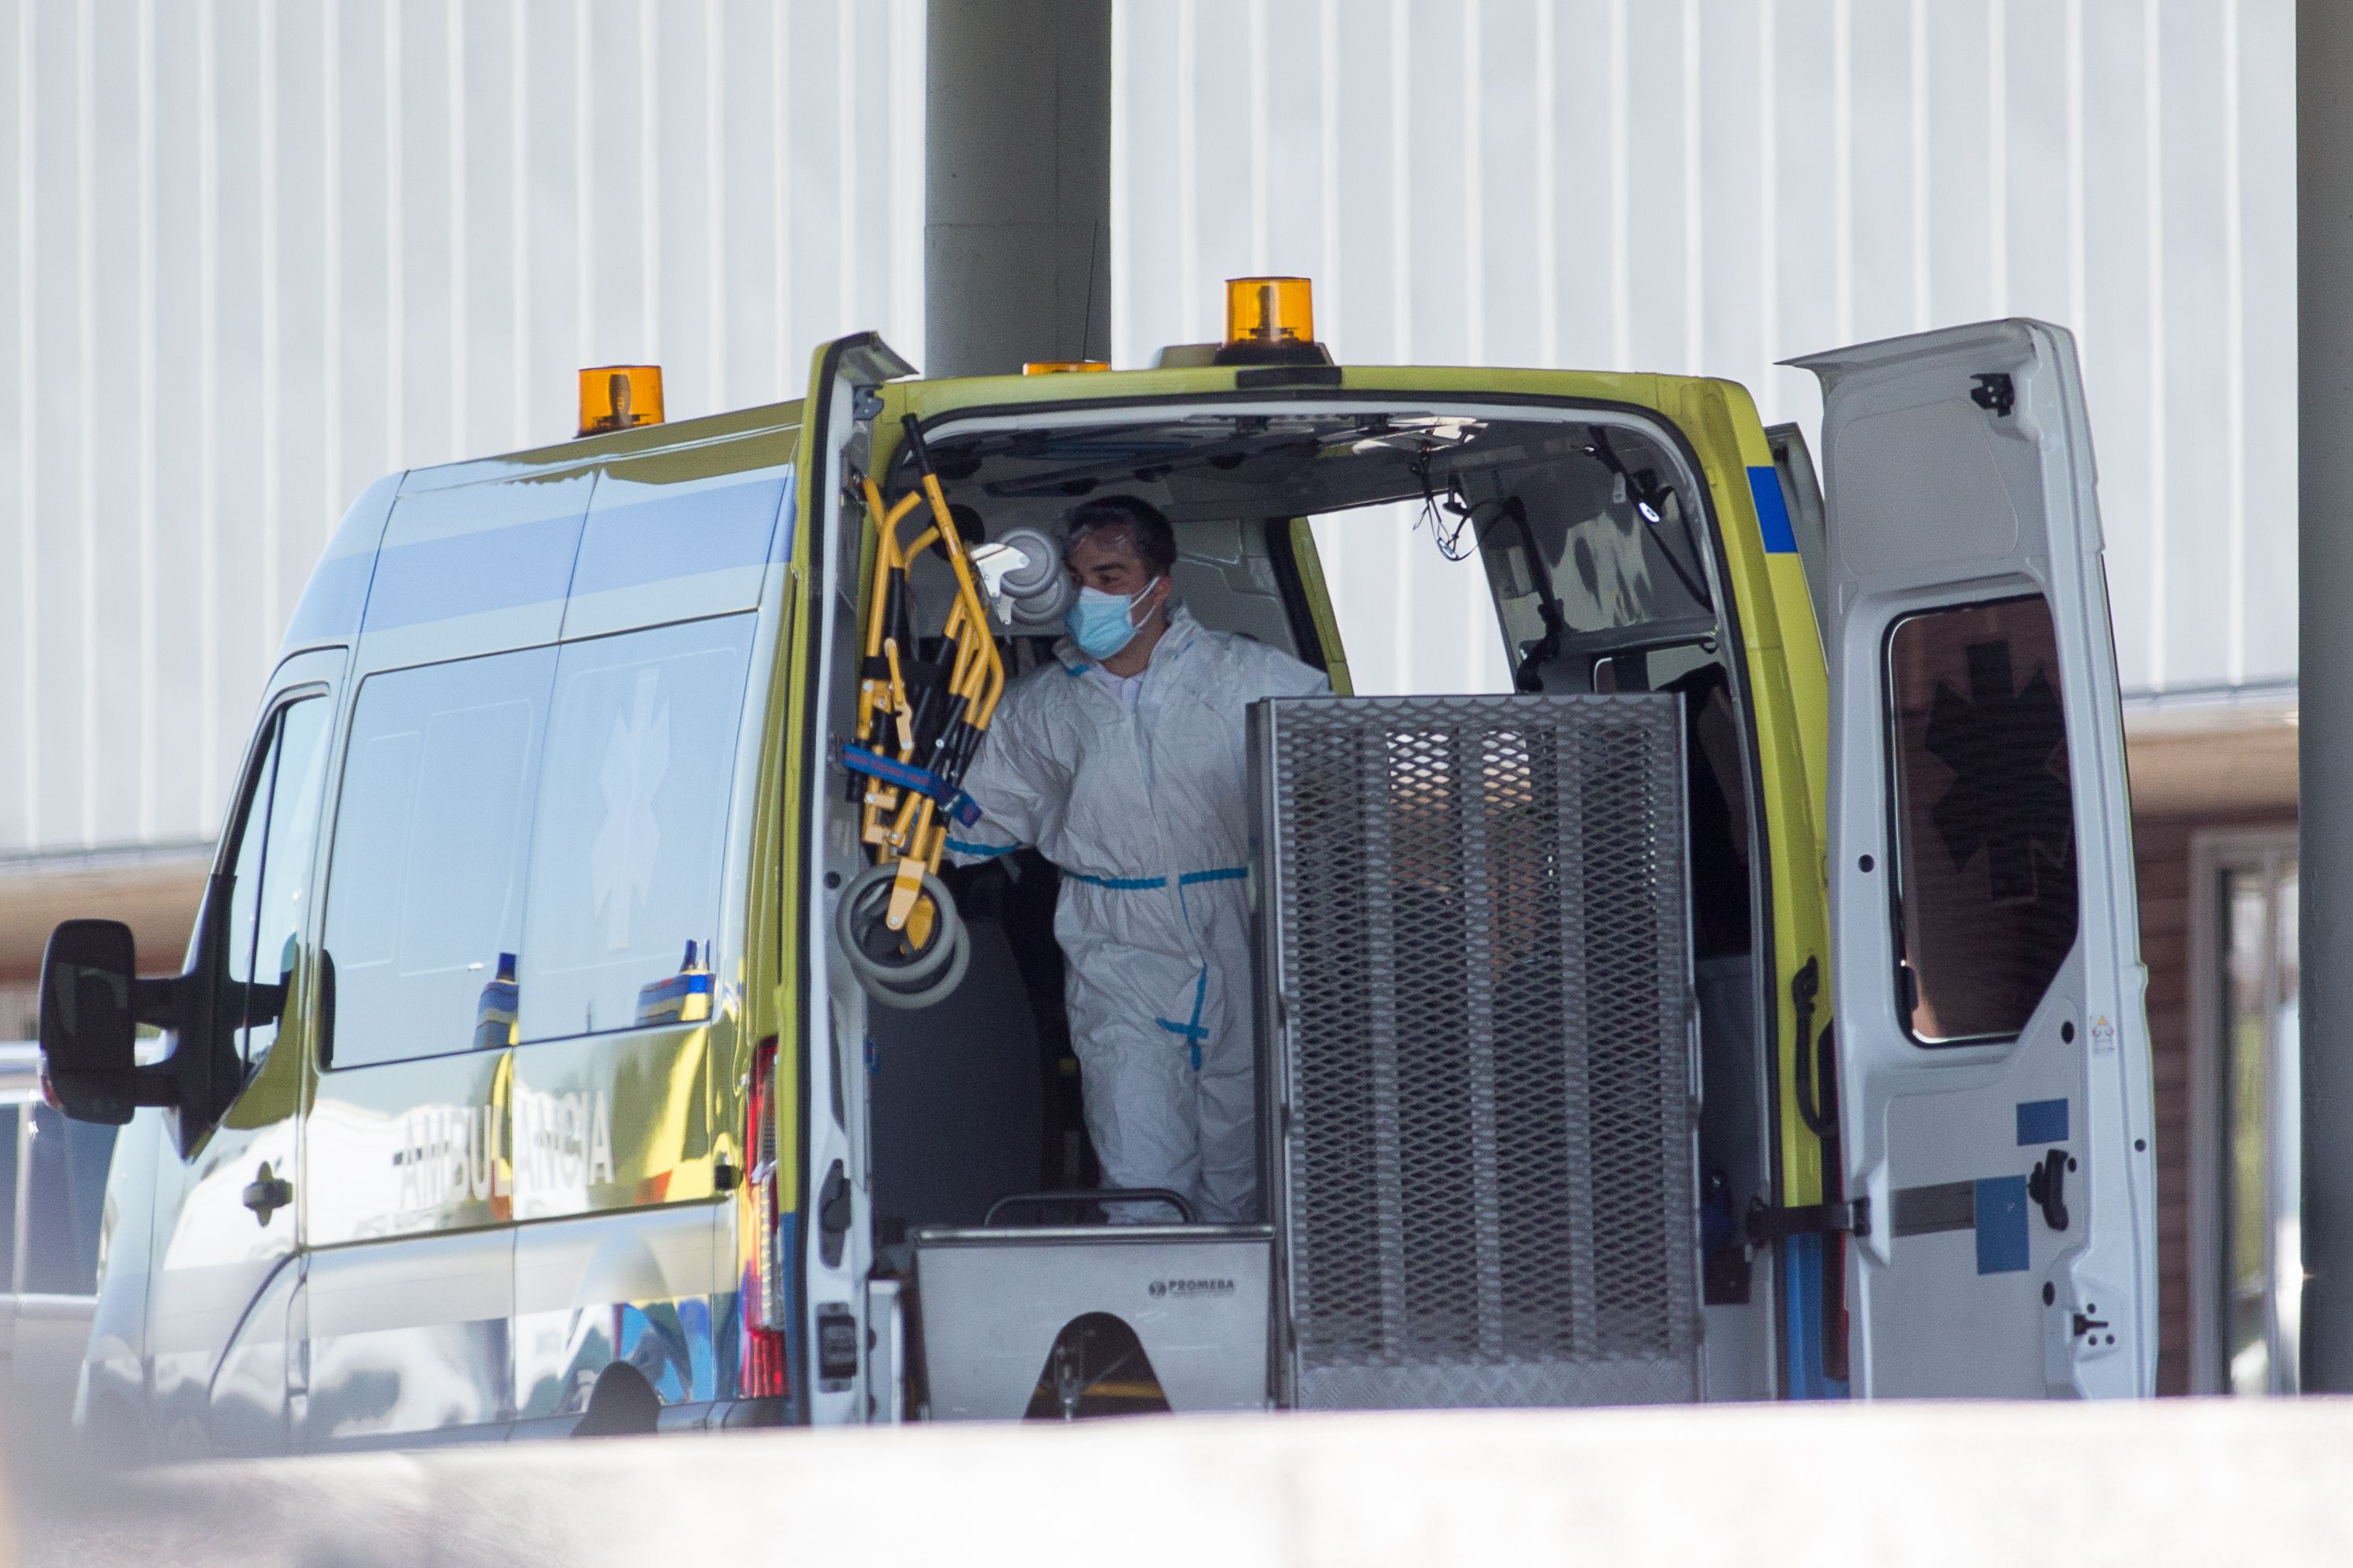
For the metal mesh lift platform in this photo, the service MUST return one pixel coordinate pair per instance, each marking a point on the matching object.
(1480, 1109)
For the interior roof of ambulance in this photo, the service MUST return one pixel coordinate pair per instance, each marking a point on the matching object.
(1217, 467)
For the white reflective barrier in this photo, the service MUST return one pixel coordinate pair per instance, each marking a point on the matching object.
(1890, 1486)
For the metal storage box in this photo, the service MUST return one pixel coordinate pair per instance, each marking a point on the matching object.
(992, 1302)
(1475, 983)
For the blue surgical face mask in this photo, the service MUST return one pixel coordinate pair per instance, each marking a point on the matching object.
(1098, 622)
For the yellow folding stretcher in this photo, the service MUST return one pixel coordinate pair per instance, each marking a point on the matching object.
(920, 723)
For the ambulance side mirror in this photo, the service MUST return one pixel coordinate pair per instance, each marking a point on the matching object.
(89, 1018)
(94, 1000)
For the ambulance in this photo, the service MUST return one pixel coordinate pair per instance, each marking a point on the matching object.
(583, 1032)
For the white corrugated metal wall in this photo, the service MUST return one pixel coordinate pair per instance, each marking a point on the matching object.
(253, 253)
(1713, 185)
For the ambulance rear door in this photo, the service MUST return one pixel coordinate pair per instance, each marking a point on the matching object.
(1991, 1051)
(824, 1037)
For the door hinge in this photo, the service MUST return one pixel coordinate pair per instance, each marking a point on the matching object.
(1995, 393)
(866, 404)
(1852, 1218)
(837, 1347)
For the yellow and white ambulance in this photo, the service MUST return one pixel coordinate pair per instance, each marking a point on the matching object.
(1743, 1003)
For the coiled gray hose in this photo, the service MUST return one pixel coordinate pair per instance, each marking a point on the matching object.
(911, 980)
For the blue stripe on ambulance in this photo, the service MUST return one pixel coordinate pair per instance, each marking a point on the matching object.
(1772, 512)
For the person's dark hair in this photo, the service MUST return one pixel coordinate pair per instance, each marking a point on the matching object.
(1149, 532)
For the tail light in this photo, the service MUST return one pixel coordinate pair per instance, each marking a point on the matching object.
(764, 1372)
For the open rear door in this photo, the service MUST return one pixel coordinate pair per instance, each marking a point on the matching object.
(1992, 1055)
(846, 399)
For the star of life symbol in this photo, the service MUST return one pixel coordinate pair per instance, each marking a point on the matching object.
(621, 860)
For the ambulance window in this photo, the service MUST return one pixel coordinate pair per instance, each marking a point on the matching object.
(241, 839)
(245, 869)
(285, 823)
(1985, 834)
(625, 858)
(1592, 554)
(425, 888)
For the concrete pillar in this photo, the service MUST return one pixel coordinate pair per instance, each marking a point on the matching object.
(2324, 161)
(1016, 183)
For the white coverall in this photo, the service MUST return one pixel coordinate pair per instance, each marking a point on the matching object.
(1148, 816)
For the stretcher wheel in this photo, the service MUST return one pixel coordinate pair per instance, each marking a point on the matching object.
(875, 952)
(1039, 591)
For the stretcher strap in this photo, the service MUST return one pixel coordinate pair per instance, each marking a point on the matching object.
(907, 775)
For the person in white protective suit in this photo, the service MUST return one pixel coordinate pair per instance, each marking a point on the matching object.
(1125, 764)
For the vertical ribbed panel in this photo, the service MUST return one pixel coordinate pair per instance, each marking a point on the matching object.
(253, 253)
(1687, 186)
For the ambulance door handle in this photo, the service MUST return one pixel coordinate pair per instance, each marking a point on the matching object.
(2047, 1185)
(833, 1215)
(267, 1193)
